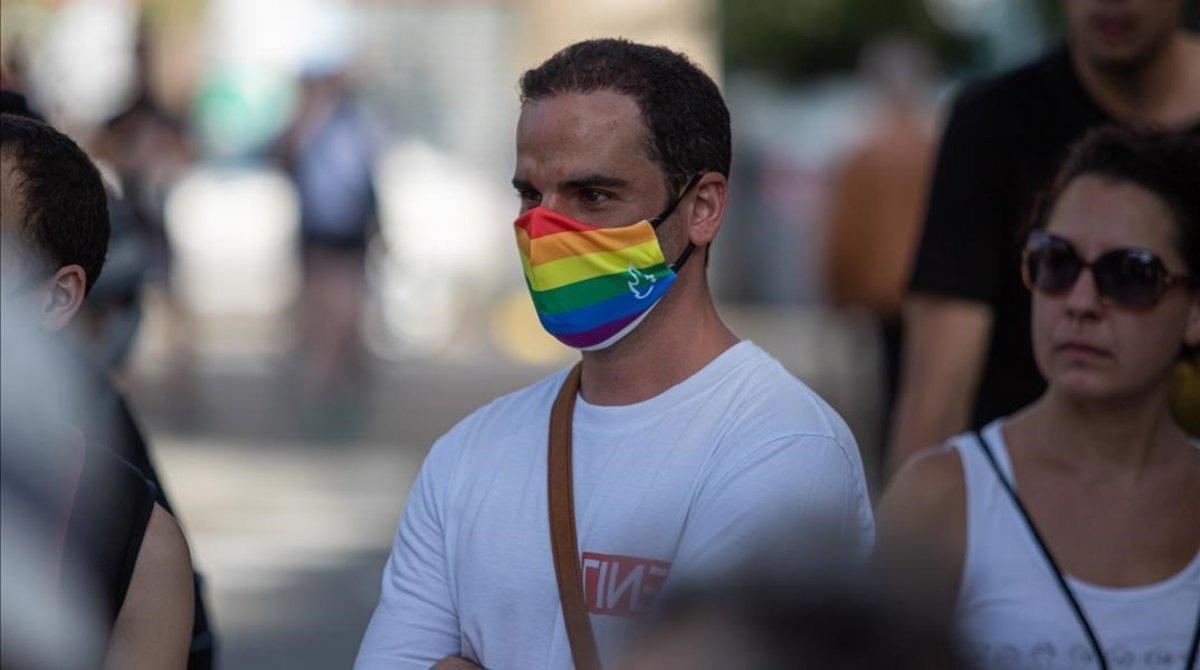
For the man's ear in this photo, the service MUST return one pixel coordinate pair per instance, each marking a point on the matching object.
(708, 208)
(60, 298)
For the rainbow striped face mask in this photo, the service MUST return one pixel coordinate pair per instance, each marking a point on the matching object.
(592, 286)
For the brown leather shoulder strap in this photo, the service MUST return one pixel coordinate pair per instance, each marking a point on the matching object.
(563, 543)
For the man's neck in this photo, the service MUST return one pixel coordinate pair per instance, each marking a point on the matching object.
(1163, 90)
(677, 340)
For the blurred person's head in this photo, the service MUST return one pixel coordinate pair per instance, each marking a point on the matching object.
(769, 624)
(1121, 35)
(614, 134)
(781, 603)
(1114, 265)
(54, 226)
(50, 615)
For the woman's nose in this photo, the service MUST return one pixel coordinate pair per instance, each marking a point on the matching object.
(1084, 298)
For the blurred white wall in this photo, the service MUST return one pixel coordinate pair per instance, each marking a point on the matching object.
(235, 233)
(689, 26)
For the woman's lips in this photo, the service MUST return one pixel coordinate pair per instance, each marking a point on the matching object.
(1082, 349)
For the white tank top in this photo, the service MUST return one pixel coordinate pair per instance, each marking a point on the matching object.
(1011, 611)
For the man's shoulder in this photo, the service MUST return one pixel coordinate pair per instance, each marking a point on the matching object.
(536, 395)
(778, 405)
(783, 434)
(503, 417)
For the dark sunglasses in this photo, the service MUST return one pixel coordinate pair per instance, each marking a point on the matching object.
(1131, 278)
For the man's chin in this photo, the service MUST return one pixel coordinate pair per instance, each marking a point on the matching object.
(1120, 60)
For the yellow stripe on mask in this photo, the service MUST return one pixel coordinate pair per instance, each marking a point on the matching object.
(574, 269)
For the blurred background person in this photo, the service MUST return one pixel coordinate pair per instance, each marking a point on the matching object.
(43, 624)
(330, 149)
(878, 196)
(967, 353)
(110, 317)
(1069, 532)
(54, 235)
(57, 230)
(148, 147)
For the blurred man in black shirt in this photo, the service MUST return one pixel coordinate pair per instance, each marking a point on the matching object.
(52, 235)
(967, 357)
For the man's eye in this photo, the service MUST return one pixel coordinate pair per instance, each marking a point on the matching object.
(593, 197)
(529, 197)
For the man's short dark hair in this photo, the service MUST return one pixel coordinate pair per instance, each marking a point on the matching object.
(684, 114)
(63, 201)
(1163, 162)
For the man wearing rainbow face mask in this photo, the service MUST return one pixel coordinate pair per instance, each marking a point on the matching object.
(687, 448)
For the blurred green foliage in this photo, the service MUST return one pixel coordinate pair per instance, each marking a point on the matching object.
(801, 39)
(795, 40)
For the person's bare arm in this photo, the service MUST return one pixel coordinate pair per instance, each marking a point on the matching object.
(154, 627)
(945, 346)
(922, 523)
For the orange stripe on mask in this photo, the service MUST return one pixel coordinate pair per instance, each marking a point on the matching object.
(562, 245)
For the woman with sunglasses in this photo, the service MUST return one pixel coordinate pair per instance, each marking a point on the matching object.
(1071, 529)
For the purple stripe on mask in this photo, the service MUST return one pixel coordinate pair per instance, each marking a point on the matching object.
(599, 334)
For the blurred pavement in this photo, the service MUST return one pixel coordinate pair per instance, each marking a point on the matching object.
(290, 514)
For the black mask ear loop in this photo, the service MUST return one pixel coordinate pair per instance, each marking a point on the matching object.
(658, 220)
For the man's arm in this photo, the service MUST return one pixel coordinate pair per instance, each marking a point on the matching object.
(415, 624)
(959, 270)
(945, 346)
(154, 627)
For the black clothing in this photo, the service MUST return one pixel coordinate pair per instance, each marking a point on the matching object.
(111, 432)
(109, 505)
(1003, 143)
(117, 431)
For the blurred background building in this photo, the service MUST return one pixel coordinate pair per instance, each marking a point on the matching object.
(315, 277)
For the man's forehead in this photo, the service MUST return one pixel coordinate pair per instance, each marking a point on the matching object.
(599, 107)
(580, 131)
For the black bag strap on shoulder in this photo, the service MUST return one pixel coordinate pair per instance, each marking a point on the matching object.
(1102, 662)
(1041, 545)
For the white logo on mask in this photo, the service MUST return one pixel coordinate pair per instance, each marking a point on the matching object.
(640, 283)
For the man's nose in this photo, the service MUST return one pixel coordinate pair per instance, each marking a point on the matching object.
(554, 202)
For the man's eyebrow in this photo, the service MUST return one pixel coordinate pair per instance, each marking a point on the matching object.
(522, 185)
(593, 180)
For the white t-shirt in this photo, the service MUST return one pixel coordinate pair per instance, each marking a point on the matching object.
(1011, 611)
(680, 484)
